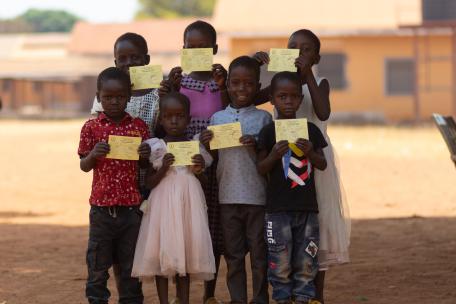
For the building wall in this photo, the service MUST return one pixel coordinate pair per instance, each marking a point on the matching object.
(366, 71)
(47, 95)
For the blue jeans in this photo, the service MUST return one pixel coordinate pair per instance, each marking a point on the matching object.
(292, 239)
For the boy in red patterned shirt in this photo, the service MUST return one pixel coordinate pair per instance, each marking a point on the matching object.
(115, 217)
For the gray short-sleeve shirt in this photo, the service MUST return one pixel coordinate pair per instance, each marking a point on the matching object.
(239, 181)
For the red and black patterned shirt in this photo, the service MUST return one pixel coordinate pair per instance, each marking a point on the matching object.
(114, 181)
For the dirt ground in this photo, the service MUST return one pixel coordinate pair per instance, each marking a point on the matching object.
(400, 183)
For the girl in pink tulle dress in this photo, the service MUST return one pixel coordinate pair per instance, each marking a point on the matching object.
(174, 239)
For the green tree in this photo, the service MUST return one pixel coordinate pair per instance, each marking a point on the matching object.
(49, 20)
(175, 8)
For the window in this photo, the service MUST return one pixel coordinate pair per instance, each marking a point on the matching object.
(434, 10)
(332, 67)
(400, 76)
(37, 86)
(7, 85)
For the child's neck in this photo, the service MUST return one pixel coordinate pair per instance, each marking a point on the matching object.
(141, 92)
(234, 106)
(116, 119)
(279, 116)
(173, 138)
(203, 76)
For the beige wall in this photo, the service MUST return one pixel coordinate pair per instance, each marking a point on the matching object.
(365, 72)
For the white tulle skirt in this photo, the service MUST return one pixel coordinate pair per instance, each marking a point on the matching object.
(334, 217)
(174, 237)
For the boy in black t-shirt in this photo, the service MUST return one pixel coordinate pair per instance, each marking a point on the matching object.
(291, 227)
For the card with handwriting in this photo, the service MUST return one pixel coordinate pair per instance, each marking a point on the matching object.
(282, 60)
(195, 60)
(291, 129)
(183, 151)
(123, 147)
(226, 135)
(146, 77)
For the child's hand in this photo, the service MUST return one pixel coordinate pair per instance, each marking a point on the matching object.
(279, 149)
(175, 77)
(247, 140)
(219, 74)
(198, 163)
(100, 150)
(261, 57)
(144, 151)
(304, 65)
(305, 146)
(165, 88)
(205, 138)
(168, 160)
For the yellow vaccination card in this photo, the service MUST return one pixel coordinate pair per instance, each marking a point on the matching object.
(183, 152)
(225, 136)
(146, 77)
(291, 129)
(123, 147)
(195, 60)
(282, 60)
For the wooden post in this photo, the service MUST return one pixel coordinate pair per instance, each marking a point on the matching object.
(416, 89)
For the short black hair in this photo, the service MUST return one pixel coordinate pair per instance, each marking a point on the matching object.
(247, 62)
(113, 73)
(136, 39)
(291, 76)
(176, 96)
(311, 35)
(203, 27)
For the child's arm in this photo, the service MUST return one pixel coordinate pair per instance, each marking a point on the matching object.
(266, 161)
(154, 177)
(89, 162)
(315, 156)
(205, 138)
(144, 154)
(219, 74)
(264, 95)
(319, 94)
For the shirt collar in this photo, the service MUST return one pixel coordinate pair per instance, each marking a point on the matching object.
(103, 117)
(198, 85)
(240, 110)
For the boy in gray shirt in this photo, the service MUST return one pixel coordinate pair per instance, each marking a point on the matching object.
(242, 190)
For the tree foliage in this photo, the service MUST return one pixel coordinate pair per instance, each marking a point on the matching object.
(49, 20)
(175, 8)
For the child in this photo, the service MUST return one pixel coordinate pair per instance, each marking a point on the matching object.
(242, 191)
(114, 214)
(292, 231)
(174, 240)
(131, 50)
(333, 208)
(207, 94)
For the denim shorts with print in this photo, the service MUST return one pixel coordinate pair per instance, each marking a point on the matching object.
(293, 240)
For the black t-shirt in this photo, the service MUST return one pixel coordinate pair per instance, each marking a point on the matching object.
(296, 192)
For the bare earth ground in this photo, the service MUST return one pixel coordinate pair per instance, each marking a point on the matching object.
(400, 183)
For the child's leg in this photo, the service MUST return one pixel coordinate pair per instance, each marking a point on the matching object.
(320, 285)
(99, 255)
(258, 253)
(128, 220)
(209, 286)
(162, 289)
(233, 220)
(280, 248)
(183, 289)
(305, 261)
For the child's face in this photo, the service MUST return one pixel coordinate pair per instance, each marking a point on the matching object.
(128, 55)
(114, 95)
(196, 39)
(242, 86)
(286, 98)
(305, 45)
(174, 118)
